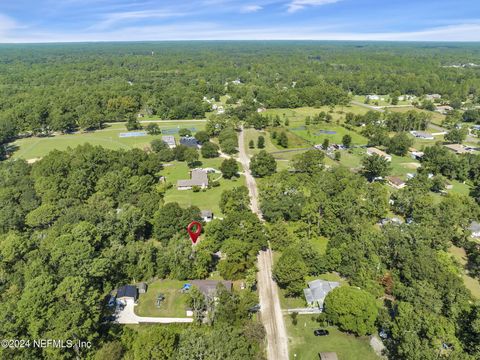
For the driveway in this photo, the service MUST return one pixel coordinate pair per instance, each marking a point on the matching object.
(128, 316)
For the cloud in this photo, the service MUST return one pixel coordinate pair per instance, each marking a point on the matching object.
(7, 24)
(251, 8)
(296, 5)
(114, 18)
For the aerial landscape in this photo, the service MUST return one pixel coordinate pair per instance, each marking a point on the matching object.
(295, 194)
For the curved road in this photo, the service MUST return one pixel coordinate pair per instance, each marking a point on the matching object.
(270, 310)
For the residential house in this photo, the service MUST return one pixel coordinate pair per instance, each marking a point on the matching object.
(189, 141)
(475, 229)
(209, 287)
(127, 292)
(444, 109)
(207, 215)
(457, 148)
(422, 135)
(372, 97)
(317, 291)
(198, 177)
(432, 97)
(169, 140)
(396, 182)
(417, 155)
(372, 150)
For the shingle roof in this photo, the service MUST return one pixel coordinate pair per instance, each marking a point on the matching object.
(127, 291)
(198, 177)
(209, 287)
(318, 289)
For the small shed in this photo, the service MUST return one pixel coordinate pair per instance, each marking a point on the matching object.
(328, 356)
(142, 288)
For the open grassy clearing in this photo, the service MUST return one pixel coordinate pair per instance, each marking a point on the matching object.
(175, 302)
(205, 200)
(471, 283)
(36, 147)
(316, 134)
(386, 100)
(303, 345)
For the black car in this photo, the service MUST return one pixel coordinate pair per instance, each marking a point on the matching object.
(320, 332)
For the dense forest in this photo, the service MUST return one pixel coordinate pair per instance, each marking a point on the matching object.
(80, 223)
(427, 313)
(65, 87)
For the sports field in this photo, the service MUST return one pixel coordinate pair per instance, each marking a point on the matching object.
(109, 137)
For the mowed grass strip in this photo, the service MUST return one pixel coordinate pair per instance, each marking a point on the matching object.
(175, 302)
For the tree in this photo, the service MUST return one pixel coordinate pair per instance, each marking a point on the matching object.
(263, 164)
(202, 137)
(156, 342)
(337, 156)
(282, 139)
(133, 123)
(399, 144)
(191, 156)
(209, 150)
(290, 271)
(352, 309)
(325, 144)
(229, 168)
(375, 166)
(347, 140)
(456, 136)
(287, 122)
(234, 200)
(309, 162)
(158, 145)
(185, 132)
(153, 129)
(251, 144)
(260, 142)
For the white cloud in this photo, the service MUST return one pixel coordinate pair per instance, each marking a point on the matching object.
(296, 5)
(7, 24)
(251, 8)
(119, 17)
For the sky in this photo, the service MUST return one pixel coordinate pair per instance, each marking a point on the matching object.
(25, 21)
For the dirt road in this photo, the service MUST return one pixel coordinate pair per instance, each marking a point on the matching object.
(270, 310)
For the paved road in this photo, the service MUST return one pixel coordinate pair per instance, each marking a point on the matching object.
(270, 310)
(128, 316)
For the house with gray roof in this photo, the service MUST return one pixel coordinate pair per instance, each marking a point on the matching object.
(209, 287)
(198, 177)
(170, 141)
(317, 291)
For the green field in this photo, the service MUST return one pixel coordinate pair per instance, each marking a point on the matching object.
(386, 100)
(37, 147)
(303, 345)
(314, 136)
(174, 305)
(471, 283)
(205, 200)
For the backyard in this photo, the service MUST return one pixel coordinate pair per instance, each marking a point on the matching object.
(174, 304)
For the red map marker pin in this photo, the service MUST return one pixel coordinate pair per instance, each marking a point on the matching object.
(194, 234)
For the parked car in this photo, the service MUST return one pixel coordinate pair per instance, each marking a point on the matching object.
(320, 332)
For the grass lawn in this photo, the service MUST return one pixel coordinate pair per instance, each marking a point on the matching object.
(313, 134)
(402, 165)
(306, 346)
(174, 304)
(471, 283)
(35, 147)
(252, 134)
(205, 200)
